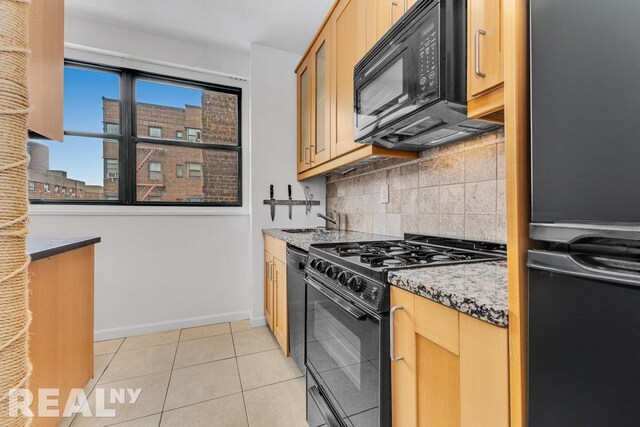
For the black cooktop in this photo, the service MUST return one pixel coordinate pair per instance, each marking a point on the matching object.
(413, 251)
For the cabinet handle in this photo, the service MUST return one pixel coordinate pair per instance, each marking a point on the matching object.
(392, 351)
(406, 5)
(306, 156)
(311, 152)
(478, 34)
(268, 266)
(272, 275)
(391, 6)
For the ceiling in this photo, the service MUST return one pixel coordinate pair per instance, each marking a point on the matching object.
(234, 24)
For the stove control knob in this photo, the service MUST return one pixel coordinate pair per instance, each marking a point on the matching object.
(374, 293)
(320, 266)
(343, 278)
(313, 262)
(331, 272)
(355, 284)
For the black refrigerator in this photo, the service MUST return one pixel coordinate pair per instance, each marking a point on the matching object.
(584, 285)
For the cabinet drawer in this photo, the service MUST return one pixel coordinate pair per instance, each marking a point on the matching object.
(437, 323)
(268, 244)
(279, 250)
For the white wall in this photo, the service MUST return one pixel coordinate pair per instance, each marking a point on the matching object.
(159, 272)
(99, 35)
(273, 155)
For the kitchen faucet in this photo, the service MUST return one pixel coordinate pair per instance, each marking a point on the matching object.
(335, 221)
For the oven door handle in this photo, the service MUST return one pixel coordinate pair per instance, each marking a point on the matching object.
(326, 412)
(354, 312)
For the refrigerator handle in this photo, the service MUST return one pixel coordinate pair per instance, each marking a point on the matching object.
(566, 263)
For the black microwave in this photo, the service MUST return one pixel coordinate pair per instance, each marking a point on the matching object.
(410, 88)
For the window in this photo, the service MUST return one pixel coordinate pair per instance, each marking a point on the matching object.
(130, 138)
(194, 135)
(155, 171)
(194, 170)
(47, 188)
(111, 169)
(155, 132)
(32, 186)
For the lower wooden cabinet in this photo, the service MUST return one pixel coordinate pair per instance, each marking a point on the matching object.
(61, 333)
(449, 369)
(275, 290)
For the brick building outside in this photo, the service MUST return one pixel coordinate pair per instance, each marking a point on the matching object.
(164, 173)
(174, 173)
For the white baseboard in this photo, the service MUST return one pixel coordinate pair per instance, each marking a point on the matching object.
(148, 328)
(257, 321)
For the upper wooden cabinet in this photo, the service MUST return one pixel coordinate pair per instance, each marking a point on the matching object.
(485, 73)
(348, 22)
(321, 140)
(449, 369)
(45, 73)
(325, 89)
(304, 115)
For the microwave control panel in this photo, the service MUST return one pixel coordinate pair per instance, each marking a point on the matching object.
(428, 46)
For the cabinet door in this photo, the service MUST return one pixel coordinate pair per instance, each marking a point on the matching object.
(485, 56)
(45, 74)
(304, 114)
(268, 289)
(280, 312)
(349, 42)
(403, 371)
(437, 364)
(321, 143)
(484, 373)
(388, 13)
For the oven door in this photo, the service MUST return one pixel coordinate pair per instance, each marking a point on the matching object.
(347, 357)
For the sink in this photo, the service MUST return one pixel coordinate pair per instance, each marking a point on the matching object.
(300, 230)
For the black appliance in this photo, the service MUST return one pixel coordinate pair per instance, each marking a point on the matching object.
(347, 321)
(411, 87)
(584, 285)
(296, 263)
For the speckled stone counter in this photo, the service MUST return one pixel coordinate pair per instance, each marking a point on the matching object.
(304, 240)
(478, 289)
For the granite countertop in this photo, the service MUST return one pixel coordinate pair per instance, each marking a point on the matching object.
(44, 247)
(304, 240)
(476, 289)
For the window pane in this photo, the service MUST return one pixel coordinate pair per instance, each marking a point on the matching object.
(91, 100)
(210, 176)
(80, 168)
(205, 116)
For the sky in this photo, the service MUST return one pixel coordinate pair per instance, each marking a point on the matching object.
(81, 157)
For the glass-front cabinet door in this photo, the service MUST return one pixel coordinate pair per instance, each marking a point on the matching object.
(321, 143)
(304, 114)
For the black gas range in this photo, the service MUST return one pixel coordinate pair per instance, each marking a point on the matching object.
(347, 321)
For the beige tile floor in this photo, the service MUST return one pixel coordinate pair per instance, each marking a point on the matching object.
(224, 375)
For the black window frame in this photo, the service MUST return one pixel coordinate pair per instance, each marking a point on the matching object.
(128, 138)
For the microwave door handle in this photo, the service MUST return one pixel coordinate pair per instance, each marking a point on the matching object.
(478, 34)
(326, 412)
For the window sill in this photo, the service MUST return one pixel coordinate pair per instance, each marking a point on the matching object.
(93, 210)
